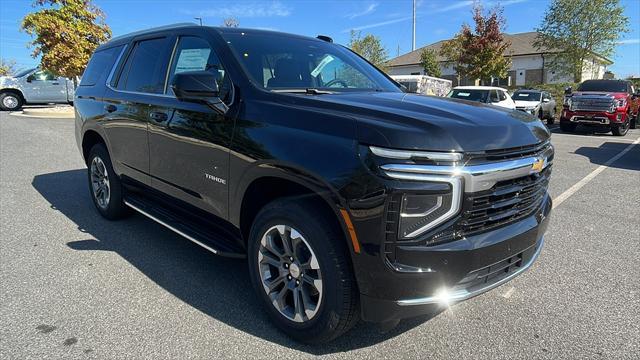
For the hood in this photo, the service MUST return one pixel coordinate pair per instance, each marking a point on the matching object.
(6, 81)
(616, 95)
(412, 121)
(524, 103)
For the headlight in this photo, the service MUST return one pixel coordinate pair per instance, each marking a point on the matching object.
(620, 102)
(419, 212)
(567, 101)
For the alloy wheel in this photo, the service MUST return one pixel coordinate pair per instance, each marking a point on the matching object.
(290, 273)
(10, 102)
(100, 182)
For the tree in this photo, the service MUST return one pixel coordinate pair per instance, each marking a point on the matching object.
(369, 47)
(578, 29)
(230, 22)
(7, 67)
(479, 53)
(66, 34)
(429, 62)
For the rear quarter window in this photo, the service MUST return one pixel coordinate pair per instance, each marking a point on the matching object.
(100, 65)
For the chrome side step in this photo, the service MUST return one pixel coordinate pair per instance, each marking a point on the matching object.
(170, 227)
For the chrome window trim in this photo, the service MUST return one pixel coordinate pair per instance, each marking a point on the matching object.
(408, 154)
(465, 294)
(115, 65)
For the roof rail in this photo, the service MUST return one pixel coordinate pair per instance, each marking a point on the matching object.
(150, 30)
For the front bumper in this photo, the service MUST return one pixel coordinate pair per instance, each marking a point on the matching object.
(593, 117)
(460, 270)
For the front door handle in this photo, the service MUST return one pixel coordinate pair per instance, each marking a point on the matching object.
(158, 116)
(110, 108)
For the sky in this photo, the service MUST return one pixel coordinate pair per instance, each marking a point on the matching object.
(390, 20)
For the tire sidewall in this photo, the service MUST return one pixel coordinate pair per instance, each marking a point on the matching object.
(116, 207)
(16, 96)
(317, 238)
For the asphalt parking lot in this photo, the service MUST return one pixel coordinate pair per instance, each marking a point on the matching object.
(73, 285)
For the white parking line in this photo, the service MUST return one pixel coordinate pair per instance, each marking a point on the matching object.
(577, 186)
(596, 137)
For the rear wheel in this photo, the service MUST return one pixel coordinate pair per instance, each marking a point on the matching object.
(104, 184)
(299, 267)
(10, 101)
(621, 129)
(566, 126)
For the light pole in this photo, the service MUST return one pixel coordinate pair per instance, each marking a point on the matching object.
(199, 19)
(413, 37)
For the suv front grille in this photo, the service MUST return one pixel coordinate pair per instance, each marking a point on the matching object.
(506, 202)
(591, 104)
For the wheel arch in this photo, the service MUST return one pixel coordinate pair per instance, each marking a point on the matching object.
(89, 139)
(267, 187)
(15, 91)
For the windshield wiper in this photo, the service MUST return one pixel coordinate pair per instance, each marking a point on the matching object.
(308, 91)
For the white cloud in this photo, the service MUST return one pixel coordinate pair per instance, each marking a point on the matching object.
(629, 41)
(368, 10)
(382, 23)
(246, 10)
(453, 6)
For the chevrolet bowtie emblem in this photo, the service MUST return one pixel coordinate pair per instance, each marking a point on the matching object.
(538, 165)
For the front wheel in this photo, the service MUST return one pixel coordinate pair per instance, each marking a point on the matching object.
(552, 117)
(104, 184)
(634, 120)
(621, 129)
(566, 126)
(10, 101)
(299, 267)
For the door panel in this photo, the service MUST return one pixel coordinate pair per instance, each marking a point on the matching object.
(45, 87)
(189, 151)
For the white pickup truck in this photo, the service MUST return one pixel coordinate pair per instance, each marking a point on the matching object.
(34, 86)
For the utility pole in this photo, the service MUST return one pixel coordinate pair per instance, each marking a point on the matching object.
(199, 19)
(413, 37)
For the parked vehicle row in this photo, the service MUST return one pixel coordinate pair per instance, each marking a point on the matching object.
(348, 197)
(34, 86)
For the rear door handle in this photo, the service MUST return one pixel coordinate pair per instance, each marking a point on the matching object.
(158, 116)
(110, 108)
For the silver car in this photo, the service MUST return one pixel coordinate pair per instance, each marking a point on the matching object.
(536, 102)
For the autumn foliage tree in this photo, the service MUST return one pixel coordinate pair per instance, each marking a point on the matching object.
(65, 32)
(478, 53)
(7, 67)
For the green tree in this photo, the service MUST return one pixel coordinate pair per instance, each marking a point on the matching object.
(66, 34)
(479, 53)
(429, 62)
(577, 29)
(230, 22)
(7, 67)
(369, 47)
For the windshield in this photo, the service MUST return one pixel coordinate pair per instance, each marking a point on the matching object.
(527, 95)
(471, 95)
(23, 73)
(280, 62)
(603, 85)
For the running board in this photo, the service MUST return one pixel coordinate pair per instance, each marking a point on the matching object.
(187, 229)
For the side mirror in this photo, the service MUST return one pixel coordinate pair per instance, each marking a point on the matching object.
(567, 91)
(196, 86)
(546, 100)
(30, 78)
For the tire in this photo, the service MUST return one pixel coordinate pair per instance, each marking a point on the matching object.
(621, 129)
(10, 101)
(634, 120)
(552, 117)
(110, 206)
(566, 126)
(334, 309)
(540, 114)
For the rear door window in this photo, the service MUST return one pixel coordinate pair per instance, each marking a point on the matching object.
(100, 65)
(146, 67)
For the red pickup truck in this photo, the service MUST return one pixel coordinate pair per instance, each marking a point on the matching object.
(608, 104)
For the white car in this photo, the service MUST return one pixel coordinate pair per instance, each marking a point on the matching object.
(34, 86)
(484, 94)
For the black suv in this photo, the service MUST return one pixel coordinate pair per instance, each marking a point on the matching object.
(349, 198)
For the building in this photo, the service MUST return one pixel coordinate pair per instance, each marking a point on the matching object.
(527, 64)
